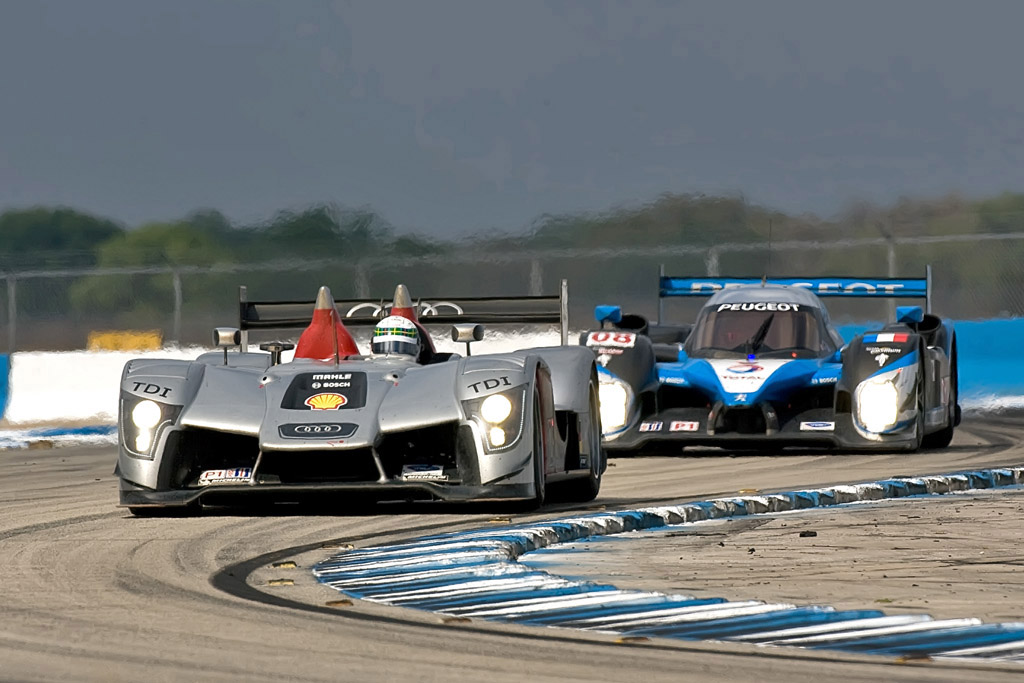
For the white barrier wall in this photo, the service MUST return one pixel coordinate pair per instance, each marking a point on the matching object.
(75, 387)
(81, 387)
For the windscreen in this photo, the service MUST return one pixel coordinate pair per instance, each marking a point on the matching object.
(767, 329)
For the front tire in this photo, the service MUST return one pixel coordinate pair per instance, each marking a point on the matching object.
(944, 436)
(919, 427)
(539, 476)
(585, 489)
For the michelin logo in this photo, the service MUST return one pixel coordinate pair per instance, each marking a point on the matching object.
(817, 426)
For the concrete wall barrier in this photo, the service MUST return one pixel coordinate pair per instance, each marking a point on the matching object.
(87, 381)
(5, 372)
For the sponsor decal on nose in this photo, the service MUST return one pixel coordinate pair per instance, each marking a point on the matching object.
(744, 368)
(326, 401)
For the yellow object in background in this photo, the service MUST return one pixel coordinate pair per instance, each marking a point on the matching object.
(125, 340)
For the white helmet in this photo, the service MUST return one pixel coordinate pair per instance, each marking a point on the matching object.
(396, 335)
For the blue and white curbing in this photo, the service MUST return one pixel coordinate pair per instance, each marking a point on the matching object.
(94, 435)
(476, 574)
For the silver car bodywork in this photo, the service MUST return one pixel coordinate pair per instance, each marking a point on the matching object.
(233, 426)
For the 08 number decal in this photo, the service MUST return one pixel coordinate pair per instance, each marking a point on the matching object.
(625, 340)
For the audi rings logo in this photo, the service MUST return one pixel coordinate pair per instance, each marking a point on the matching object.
(423, 308)
(317, 430)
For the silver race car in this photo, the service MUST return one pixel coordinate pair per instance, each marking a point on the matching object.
(402, 422)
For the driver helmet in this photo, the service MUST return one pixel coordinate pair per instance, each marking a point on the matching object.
(396, 335)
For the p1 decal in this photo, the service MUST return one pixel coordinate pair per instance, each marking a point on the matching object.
(651, 426)
(326, 401)
(683, 426)
(232, 476)
(817, 426)
(625, 340)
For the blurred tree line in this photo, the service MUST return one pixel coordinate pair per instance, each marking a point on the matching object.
(63, 239)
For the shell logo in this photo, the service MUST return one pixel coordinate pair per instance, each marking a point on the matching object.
(326, 401)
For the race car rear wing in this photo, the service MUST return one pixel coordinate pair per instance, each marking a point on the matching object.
(879, 288)
(531, 310)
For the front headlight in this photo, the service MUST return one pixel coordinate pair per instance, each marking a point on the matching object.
(496, 408)
(146, 414)
(141, 421)
(878, 404)
(500, 417)
(615, 397)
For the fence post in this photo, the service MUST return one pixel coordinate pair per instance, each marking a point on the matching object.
(12, 313)
(890, 238)
(536, 278)
(711, 262)
(176, 331)
(362, 282)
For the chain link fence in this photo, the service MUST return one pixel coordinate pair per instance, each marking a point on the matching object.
(976, 276)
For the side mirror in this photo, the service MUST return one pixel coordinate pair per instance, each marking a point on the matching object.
(837, 357)
(909, 314)
(610, 314)
(467, 333)
(224, 337)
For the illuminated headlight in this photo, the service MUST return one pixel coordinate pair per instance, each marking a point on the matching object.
(496, 408)
(500, 418)
(615, 397)
(878, 404)
(141, 421)
(146, 414)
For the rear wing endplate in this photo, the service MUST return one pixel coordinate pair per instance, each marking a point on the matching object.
(878, 288)
(531, 310)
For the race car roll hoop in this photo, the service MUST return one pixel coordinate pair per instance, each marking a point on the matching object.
(764, 367)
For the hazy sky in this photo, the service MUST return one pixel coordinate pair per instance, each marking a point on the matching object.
(453, 116)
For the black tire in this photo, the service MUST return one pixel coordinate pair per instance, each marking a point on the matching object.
(944, 436)
(539, 477)
(919, 438)
(586, 488)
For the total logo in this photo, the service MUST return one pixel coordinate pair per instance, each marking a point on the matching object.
(744, 368)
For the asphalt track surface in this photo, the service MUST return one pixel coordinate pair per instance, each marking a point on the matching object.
(91, 594)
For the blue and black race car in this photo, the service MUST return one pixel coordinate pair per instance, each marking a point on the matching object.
(763, 366)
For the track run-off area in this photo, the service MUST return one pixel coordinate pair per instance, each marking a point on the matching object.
(91, 593)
